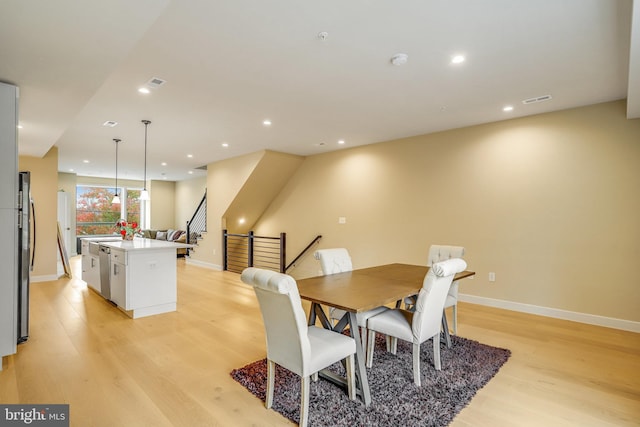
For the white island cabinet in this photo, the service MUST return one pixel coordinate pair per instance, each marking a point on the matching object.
(143, 276)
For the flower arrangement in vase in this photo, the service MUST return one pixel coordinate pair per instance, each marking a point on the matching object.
(127, 229)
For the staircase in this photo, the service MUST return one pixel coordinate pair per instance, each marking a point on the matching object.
(197, 225)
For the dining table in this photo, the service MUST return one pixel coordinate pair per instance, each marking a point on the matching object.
(357, 291)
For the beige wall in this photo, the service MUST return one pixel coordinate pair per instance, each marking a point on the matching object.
(188, 195)
(550, 203)
(44, 191)
(162, 204)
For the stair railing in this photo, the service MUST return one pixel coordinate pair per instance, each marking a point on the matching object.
(248, 250)
(198, 223)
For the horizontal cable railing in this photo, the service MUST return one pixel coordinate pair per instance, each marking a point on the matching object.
(248, 250)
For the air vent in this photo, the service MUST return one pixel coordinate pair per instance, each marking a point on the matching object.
(202, 168)
(537, 99)
(110, 123)
(155, 83)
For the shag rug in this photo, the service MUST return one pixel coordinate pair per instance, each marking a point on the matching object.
(396, 401)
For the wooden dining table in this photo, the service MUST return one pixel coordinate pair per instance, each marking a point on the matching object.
(357, 291)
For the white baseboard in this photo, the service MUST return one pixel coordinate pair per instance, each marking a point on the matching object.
(47, 278)
(199, 263)
(591, 319)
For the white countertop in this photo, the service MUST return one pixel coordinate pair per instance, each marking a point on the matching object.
(139, 243)
(112, 238)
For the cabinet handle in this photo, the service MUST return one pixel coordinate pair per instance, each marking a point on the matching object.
(93, 262)
(115, 269)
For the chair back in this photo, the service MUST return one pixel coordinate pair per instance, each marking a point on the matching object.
(432, 296)
(334, 261)
(284, 318)
(439, 253)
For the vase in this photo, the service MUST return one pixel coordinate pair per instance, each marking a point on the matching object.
(127, 237)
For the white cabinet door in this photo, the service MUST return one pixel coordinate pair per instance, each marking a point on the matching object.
(119, 284)
(118, 276)
(94, 272)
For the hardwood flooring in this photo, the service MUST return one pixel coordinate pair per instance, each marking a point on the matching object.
(173, 369)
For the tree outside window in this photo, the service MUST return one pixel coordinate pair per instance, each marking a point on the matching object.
(95, 214)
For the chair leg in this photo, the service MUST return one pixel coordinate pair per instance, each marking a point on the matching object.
(394, 345)
(455, 319)
(363, 338)
(445, 329)
(370, 342)
(436, 351)
(304, 401)
(271, 370)
(314, 377)
(416, 364)
(351, 377)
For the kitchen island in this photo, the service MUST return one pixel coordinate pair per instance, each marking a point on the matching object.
(143, 275)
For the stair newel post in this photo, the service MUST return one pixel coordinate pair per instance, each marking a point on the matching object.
(224, 250)
(250, 250)
(283, 252)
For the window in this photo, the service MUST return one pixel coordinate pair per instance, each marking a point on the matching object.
(133, 206)
(95, 214)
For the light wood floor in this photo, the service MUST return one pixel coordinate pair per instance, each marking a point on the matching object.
(173, 369)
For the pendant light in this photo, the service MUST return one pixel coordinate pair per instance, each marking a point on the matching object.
(116, 198)
(144, 194)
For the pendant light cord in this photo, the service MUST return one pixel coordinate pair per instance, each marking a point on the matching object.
(146, 124)
(116, 141)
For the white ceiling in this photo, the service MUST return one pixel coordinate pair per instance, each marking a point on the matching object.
(231, 64)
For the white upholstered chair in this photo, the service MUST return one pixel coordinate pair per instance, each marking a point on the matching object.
(424, 322)
(439, 253)
(334, 261)
(291, 343)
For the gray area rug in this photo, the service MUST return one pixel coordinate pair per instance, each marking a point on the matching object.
(396, 400)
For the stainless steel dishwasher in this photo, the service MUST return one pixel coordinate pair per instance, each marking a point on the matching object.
(105, 270)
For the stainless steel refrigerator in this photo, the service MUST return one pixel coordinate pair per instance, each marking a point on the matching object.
(26, 251)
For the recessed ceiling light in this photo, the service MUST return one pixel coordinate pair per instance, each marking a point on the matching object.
(85, 161)
(507, 108)
(225, 145)
(189, 155)
(457, 59)
(144, 90)
(323, 35)
(267, 122)
(399, 59)
(241, 220)
(70, 170)
(190, 172)
(19, 126)
(341, 142)
(164, 163)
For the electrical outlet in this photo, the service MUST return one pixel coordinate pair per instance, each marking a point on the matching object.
(492, 276)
